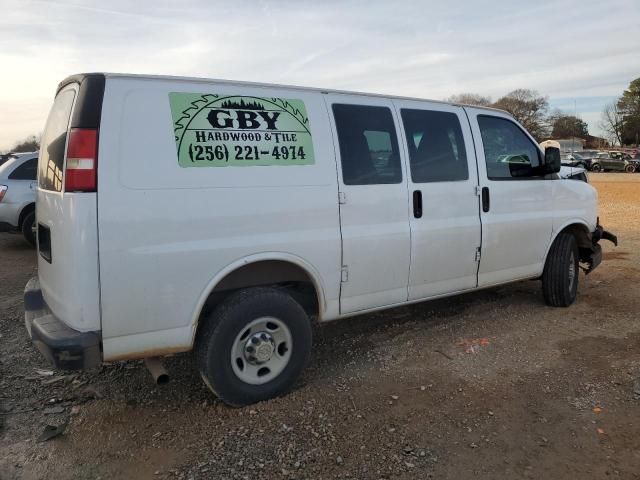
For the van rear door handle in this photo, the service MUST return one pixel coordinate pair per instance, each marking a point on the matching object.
(486, 202)
(417, 203)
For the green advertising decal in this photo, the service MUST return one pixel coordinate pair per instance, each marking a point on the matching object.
(224, 130)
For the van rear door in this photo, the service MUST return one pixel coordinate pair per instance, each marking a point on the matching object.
(66, 215)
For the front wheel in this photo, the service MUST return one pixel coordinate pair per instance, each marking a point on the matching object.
(27, 228)
(254, 346)
(560, 276)
(596, 167)
(629, 168)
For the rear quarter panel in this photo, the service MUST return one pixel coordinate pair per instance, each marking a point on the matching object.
(166, 231)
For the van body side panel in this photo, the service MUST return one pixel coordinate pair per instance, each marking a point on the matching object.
(167, 230)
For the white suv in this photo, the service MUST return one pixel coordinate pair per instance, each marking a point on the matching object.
(224, 217)
(18, 195)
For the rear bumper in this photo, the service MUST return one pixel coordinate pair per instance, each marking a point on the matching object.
(64, 347)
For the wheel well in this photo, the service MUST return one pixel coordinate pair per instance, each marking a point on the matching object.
(25, 211)
(582, 234)
(583, 237)
(276, 273)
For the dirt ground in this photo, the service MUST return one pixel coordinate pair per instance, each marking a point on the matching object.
(489, 385)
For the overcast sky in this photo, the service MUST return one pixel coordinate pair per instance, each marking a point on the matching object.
(583, 51)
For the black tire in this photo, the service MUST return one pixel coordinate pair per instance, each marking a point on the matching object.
(558, 288)
(596, 167)
(27, 228)
(629, 168)
(221, 329)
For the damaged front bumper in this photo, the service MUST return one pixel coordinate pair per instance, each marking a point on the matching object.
(592, 256)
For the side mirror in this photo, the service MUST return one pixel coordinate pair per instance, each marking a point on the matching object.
(551, 160)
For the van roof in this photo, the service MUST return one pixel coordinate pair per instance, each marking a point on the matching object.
(79, 77)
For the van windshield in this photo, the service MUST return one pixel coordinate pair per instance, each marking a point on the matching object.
(54, 140)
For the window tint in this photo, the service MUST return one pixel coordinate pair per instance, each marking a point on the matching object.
(368, 145)
(54, 141)
(436, 146)
(508, 152)
(27, 171)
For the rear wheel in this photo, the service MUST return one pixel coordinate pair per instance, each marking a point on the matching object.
(560, 276)
(27, 228)
(253, 346)
(596, 167)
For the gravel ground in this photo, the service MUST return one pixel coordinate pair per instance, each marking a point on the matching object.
(487, 385)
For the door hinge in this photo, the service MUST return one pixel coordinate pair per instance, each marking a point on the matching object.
(478, 190)
(344, 275)
(478, 254)
(342, 198)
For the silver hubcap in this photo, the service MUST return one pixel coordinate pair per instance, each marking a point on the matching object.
(261, 350)
(572, 270)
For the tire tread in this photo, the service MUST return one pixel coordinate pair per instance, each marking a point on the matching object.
(555, 287)
(210, 333)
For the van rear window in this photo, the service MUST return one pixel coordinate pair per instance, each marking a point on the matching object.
(54, 141)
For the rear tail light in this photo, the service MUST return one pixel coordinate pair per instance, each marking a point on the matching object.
(82, 160)
(3, 190)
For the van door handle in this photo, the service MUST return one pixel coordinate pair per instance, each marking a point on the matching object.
(417, 203)
(486, 202)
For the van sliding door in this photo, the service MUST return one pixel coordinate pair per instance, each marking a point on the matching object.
(444, 205)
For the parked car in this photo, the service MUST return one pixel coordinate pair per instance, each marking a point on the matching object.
(4, 158)
(573, 173)
(614, 161)
(8, 156)
(18, 195)
(224, 217)
(576, 160)
(588, 153)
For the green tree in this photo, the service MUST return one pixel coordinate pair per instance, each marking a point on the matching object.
(29, 144)
(629, 106)
(567, 126)
(529, 108)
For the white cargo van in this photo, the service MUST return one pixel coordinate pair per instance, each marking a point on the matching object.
(179, 214)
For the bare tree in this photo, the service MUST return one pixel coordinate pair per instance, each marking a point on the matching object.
(529, 108)
(612, 123)
(470, 99)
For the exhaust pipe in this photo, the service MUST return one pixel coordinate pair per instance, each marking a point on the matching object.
(157, 371)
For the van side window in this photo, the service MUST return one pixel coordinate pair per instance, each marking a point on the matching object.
(27, 171)
(508, 152)
(368, 145)
(436, 146)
